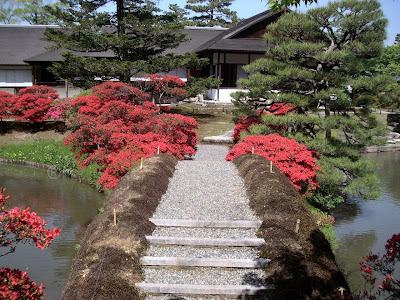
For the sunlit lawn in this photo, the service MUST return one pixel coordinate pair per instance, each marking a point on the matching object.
(212, 120)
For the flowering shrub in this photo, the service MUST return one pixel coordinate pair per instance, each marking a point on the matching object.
(119, 91)
(243, 124)
(323, 218)
(21, 225)
(7, 101)
(389, 288)
(33, 103)
(16, 285)
(292, 158)
(166, 85)
(277, 109)
(116, 134)
(59, 110)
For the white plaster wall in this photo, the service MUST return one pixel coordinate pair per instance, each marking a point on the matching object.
(224, 94)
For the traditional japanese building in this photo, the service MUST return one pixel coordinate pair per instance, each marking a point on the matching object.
(24, 60)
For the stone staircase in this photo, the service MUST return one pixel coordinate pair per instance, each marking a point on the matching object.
(186, 256)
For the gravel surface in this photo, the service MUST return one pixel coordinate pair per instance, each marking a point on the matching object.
(202, 252)
(227, 233)
(205, 187)
(211, 276)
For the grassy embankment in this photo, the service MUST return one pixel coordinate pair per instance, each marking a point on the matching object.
(52, 153)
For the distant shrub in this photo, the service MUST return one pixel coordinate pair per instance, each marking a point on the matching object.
(292, 158)
(7, 102)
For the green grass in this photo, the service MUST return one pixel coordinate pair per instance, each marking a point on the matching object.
(213, 120)
(51, 153)
(328, 231)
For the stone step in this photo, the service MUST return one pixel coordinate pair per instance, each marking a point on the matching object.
(188, 289)
(206, 232)
(162, 240)
(206, 223)
(204, 262)
(202, 251)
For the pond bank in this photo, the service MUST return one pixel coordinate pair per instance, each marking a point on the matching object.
(107, 264)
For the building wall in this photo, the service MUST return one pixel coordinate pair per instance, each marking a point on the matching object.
(15, 76)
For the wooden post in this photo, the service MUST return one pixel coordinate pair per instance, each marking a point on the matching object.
(252, 150)
(141, 163)
(115, 217)
(270, 167)
(158, 150)
(297, 226)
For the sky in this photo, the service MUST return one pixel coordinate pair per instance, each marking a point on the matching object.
(249, 8)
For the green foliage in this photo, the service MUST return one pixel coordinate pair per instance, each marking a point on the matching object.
(320, 59)
(35, 12)
(7, 14)
(279, 4)
(212, 13)
(195, 86)
(116, 44)
(52, 153)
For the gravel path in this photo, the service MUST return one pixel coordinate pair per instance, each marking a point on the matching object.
(204, 188)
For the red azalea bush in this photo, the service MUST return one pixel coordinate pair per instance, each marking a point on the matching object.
(119, 91)
(166, 85)
(292, 158)
(33, 103)
(277, 109)
(21, 225)
(7, 101)
(116, 134)
(16, 285)
(385, 265)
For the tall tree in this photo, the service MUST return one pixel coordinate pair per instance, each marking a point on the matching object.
(35, 12)
(133, 36)
(7, 14)
(279, 4)
(212, 13)
(397, 39)
(319, 58)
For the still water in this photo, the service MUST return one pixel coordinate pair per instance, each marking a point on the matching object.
(364, 226)
(64, 203)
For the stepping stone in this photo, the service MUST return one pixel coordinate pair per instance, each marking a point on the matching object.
(161, 240)
(204, 262)
(188, 289)
(206, 223)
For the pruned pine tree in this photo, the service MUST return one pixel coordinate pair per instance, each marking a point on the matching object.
(133, 36)
(212, 13)
(318, 61)
(279, 4)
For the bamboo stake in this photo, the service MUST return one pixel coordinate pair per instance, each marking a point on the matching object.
(141, 163)
(252, 150)
(270, 167)
(115, 217)
(297, 226)
(158, 150)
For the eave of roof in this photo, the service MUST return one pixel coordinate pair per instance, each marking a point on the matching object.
(220, 41)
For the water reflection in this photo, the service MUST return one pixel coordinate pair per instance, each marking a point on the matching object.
(63, 203)
(364, 226)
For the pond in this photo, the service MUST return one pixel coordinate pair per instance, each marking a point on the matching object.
(64, 203)
(364, 226)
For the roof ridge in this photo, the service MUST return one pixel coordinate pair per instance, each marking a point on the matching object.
(29, 25)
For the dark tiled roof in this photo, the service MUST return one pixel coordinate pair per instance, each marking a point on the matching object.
(224, 40)
(197, 36)
(55, 55)
(18, 42)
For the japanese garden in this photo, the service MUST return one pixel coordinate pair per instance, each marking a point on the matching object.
(190, 153)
